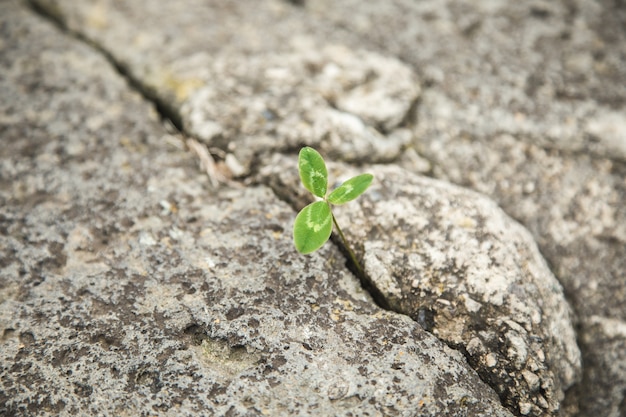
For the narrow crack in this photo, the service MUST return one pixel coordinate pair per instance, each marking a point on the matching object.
(283, 193)
(366, 282)
(165, 110)
(168, 113)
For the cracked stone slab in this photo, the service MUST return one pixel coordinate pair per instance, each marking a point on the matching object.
(525, 103)
(550, 71)
(170, 319)
(568, 195)
(129, 286)
(255, 79)
(334, 98)
(457, 264)
(573, 205)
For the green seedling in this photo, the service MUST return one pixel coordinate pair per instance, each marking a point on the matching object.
(314, 223)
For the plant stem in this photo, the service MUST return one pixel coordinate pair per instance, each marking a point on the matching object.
(345, 243)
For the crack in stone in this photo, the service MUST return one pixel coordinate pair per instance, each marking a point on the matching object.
(165, 110)
(168, 113)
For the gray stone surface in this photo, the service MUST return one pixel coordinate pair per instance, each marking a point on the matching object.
(251, 79)
(130, 286)
(523, 102)
(604, 340)
(336, 99)
(457, 264)
(550, 72)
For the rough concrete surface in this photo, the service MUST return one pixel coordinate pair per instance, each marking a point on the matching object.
(526, 103)
(457, 264)
(131, 287)
(126, 279)
(252, 79)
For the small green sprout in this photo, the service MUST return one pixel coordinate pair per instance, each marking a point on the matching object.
(314, 223)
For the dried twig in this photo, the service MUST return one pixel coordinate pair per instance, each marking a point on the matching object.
(207, 163)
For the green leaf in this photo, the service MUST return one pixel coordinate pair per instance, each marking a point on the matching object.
(312, 227)
(350, 189)
(313, 171)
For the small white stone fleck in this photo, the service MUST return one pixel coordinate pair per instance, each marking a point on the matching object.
(234, 165)
(518, 351)
(210, 262)
(609, 129)
(491, 360)
(146, 239)
(524, 408)
(176, 234)
(532, 380)
(471, 305)
(475, 346)
(529, 187)
(542, 402)
(166, 206)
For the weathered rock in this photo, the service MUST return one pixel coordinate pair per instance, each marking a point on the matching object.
(604, 339)
(458, 265)
(520, 101)
(554, 75)
(335, 99)
(525, 102)
(217, 316)
(130, 287)
(258, 78)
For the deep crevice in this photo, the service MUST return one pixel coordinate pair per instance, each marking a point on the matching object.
(366, 283)
(166, 111)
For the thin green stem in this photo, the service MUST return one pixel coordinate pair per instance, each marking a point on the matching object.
(345, 243)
